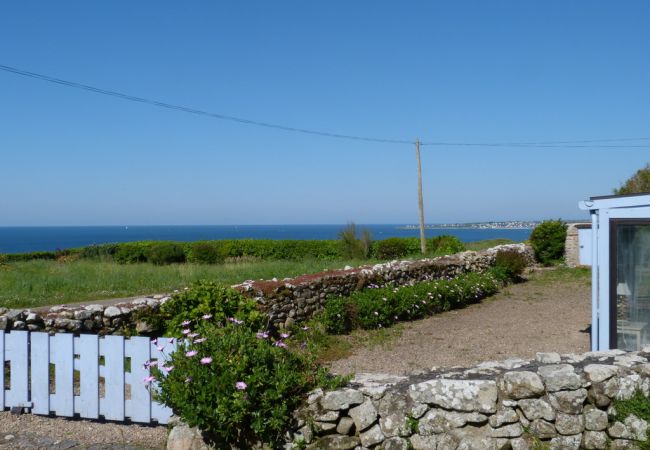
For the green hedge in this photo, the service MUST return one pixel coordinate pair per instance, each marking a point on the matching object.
(215, 252)
(382, 307)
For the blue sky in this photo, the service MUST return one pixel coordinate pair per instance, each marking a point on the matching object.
(464, 71)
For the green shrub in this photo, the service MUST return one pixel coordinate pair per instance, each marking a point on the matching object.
(239, 387)
(391, 248)
(445, 245)
(511, 262)
(352, 246)
(161, 253)
(547, 240)
(336, 316)
(131, 252)
(204, 253)
(382, 307)
(206, 298)
(102, 251)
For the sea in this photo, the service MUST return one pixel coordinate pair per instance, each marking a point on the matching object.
(32, 239)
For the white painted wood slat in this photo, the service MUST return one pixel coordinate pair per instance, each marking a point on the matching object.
(2, 370)
(63, 359)
(17, 351)
(161, 351)
(87, 404)
(138, 407)
(40, 381)
(112, 405)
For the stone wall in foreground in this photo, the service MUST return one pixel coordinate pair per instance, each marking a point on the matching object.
(298, 299)
(555, 401)
(286, 302)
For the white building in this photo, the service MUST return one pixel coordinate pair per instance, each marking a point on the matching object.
(620, 271)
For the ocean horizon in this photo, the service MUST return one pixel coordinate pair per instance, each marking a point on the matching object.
(47, 238)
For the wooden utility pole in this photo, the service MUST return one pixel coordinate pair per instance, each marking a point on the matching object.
(423, 242)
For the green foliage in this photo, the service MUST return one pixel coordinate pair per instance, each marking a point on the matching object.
(353, 246)
(639, 405)
(391, 248)
(131, 252)
(206, 298)
(161, 253)
(382, 307)
(547, 240)
(487, 243)
(204, 252)
(245, 392)
(511, 262)
(445, 245)
(637, 183)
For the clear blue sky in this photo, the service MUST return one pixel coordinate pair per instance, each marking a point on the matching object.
(442, 71)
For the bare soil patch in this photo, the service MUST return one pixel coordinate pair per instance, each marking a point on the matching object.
(551, 312)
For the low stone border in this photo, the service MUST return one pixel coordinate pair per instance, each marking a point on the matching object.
(285, 301)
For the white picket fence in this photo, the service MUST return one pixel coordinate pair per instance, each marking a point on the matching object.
(103, 386)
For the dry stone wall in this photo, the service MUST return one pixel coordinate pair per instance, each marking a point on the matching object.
(286, 302)
(555, 401)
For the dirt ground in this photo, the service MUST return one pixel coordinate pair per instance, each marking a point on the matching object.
(550, 312)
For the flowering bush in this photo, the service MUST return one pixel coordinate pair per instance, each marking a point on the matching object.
(382, 307)
(207, 298)
(234, 384)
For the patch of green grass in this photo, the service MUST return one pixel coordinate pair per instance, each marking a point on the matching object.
(488, 243)
(42, 282)
(562, 274)
(639, 405)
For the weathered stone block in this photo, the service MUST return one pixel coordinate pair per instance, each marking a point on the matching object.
(518, 385)
(459, 395)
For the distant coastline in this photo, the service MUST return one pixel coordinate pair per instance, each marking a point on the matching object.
(501, 225)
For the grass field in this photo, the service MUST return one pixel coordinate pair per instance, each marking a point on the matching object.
(41, 282)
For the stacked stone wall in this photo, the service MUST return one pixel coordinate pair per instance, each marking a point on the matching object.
(286, 302)
(555, 401)
(572, 244)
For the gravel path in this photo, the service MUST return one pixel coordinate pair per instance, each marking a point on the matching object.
(28, 431)
(550, 312)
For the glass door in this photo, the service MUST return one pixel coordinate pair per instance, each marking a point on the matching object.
(630, 284)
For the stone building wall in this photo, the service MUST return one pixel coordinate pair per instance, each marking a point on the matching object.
(286, 301)
(572, 244)
(555, 401)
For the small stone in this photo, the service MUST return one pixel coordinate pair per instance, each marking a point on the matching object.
(594, 440)
(622, 444)
(112, 311)
(345, 426)
(537, 409)
(597, 395)
(324, 427)
(542, 429)
(548, 358)
(9, 437)
(509, 431)
(334, 442)
(503, 416)
(569, 402)
(342, 399)
(619, 430)
(142, 327)
(395, 443)
(327, 416)
(595, 419)
(419, 442)
(518, 385)
(597, 373)
(566, 442)
(569, 424)
(559, 377)
(638, 427)
(83, 314)
(522, 443)
(363, 415)
(371, 436)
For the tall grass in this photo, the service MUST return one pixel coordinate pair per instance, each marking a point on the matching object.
(40, 282)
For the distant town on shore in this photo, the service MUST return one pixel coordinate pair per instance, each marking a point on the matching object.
(503, 225)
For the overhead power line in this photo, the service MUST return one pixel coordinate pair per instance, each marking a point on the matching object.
(544, 144)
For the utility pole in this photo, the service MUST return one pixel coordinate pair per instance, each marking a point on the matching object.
(423, 242)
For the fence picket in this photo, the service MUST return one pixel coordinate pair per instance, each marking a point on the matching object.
(161, 351)
(62, 353)
(17, 351)
(30, 387)
(138, 407)
(112, 405)
(87, 404)
(40, 381)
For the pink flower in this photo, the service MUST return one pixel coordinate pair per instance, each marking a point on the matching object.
(284, 335)
(154, 341)
(206, 316)
(240, 385)
(148, 379)
(186, 331)
(262, 335)
(152, 363)
(280, 344)
(305, 328)
(160, 348)
(188, 379)
(191, 353)
(235, 321)
(168, 369)
(186, 323)
(192, 335)
(206, 360)
(198, 341)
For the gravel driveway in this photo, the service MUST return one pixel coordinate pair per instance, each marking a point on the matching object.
(550, 312)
